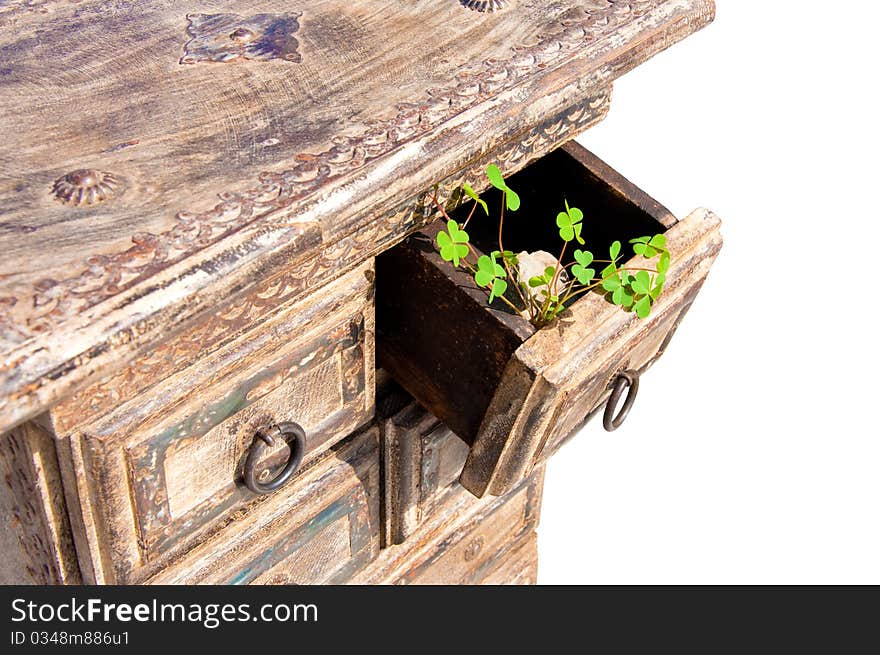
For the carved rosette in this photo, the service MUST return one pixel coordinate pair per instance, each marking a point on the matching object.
(484, 5)
(86, 187)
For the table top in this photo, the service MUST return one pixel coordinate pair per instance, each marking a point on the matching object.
(153, 151)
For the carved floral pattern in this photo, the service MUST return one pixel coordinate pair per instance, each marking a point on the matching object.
(227, 37)
(484, 5)
(53, 301)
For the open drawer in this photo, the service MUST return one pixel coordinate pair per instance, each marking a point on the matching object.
(511, 391)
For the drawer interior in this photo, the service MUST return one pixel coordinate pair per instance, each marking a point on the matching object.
(614, 208)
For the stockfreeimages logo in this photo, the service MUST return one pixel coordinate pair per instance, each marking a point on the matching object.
(209, 615)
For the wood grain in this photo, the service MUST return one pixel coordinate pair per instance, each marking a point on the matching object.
(408, 94)
(464, 541)
(519, 566)
(37, 542)
(423, 459)
(324, 530)
(163, 470)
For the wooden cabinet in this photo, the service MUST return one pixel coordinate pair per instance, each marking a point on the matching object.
(470, 552)
(198, 208)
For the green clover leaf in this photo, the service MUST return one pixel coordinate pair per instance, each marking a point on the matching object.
(493, 173)
(658, 241)
(509, 257)
(469, 191)
(612, 283)
(496, 179)
(614, 250)
(453, 244)
(642, 283)
(583, 274)
(569, 224)
(512, 199)
(621, 296)
(643, 307)
(609, 270)
(499, 288)
(487, 270)
(491, 274)
(663, 263)
(649, 246)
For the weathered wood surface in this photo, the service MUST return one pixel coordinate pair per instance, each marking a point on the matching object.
(36, 542)
(315, 124)
(423, 459)
(464, 541)
(518, 566)
(513, 392)
(163, 470)
(323, 531)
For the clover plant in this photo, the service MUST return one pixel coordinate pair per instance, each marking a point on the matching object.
(542, 297)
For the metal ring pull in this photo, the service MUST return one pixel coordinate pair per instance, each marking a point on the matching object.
(625, 379)
(295, 437)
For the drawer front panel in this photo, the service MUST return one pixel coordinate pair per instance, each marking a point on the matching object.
(574, 407)
(326, 530)
(473, 550)
(519, 566)
(545, 396)
(181, 449)
(559, 375)
(37, 540)
(423, 460)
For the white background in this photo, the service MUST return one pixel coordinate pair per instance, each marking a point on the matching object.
(752, 452)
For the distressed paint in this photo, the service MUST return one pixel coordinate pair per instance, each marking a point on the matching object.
(127, 272)
(272, 545)
(310, 362)
(190, 216)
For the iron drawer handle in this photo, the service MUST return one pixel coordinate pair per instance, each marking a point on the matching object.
(625, 379)
(295, 437)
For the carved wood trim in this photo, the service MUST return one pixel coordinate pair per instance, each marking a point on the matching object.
(53, 301)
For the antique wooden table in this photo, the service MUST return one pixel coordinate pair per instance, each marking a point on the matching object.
(194, 197)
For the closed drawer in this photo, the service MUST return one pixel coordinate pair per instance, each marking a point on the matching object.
(165, 470)
(322, 532)
(423, 461)
(511, 391)
(476, 549)
(519, 566)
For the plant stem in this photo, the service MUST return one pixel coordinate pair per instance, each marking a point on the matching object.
(468, 220)
(510, 304)
(510, 275)
(552, 287)
(440, 207)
